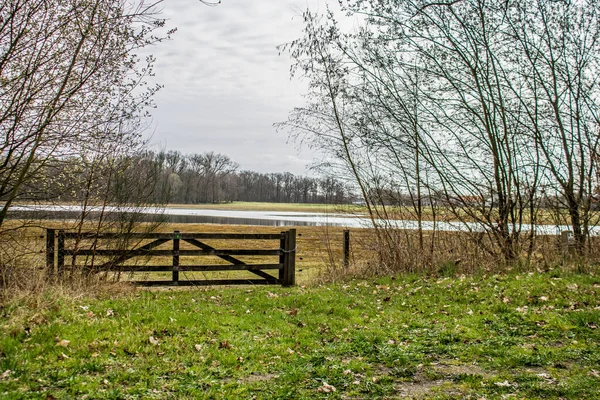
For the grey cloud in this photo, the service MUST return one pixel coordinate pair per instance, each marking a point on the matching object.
(225, 84)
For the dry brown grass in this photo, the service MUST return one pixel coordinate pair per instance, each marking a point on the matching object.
(319, 256)
(23, 259)
(446, 254)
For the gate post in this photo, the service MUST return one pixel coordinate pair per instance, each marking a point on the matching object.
(346, 248)
(176, 238)
(289, 254)
(50, 247)
(282, 261)
(60, 258)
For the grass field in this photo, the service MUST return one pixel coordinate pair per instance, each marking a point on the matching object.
(264, 206)
(486, 335)
(522, 335)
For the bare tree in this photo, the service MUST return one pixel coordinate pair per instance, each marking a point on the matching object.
(478, 102)
(68, 76)
(557, 49)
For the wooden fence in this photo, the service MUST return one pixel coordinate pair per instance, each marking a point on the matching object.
(285, 251)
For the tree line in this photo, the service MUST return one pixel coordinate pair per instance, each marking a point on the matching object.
(214, 178)
(71, 85)
(173, 177)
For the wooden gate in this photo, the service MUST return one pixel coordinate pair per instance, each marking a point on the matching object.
(61, 244)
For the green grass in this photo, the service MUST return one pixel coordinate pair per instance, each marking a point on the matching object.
(526, 336)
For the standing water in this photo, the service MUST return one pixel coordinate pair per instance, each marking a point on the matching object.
(267, 218)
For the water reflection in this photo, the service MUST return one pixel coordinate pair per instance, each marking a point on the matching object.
(185, 216)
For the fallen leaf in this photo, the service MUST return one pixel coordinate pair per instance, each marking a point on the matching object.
(502, 384)
(63, 355)
(224, 345)
(6, 374)
(198, 347)
(152, 340)
(63, 343)
(327, 388)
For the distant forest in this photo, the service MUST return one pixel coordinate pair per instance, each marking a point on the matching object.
(174, 177)
(214, 178)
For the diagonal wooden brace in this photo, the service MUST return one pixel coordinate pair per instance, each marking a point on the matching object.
(231, 259)
(125, 257)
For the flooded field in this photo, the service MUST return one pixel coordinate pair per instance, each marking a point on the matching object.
(261, 218)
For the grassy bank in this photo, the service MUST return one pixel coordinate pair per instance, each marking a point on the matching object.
(529, 335)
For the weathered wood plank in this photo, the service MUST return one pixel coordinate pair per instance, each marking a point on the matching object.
(191, 268)
(346, 248)
(176, 239)
(205, 246)
(211, 282)
(60, 253)
(150, 252)
(220, 236)
(124, 255)
(50, 247)
(289, 266)
(232, 260)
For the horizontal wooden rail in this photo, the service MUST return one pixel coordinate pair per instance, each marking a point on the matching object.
(213, 282)
(157, 253)
(191, 268)
(183, 236)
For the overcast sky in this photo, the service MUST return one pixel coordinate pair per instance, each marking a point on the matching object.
(225, 83)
